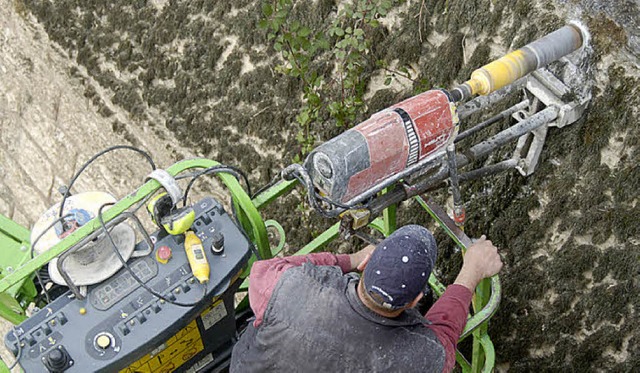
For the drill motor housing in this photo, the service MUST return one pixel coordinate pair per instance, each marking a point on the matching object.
(383, 146)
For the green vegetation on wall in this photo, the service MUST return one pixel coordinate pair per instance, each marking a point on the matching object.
(336, 91)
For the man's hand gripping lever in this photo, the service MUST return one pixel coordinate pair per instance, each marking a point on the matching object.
(480, 261)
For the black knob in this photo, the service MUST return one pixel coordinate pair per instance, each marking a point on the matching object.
(55, 357)
(217, 246)
(57, 360)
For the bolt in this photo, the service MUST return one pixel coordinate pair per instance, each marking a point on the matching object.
(23, 248)
(9, 269)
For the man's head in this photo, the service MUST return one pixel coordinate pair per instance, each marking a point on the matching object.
(399, 267)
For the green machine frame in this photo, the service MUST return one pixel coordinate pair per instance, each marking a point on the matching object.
(17, 289)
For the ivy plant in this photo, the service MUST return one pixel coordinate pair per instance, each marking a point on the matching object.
(344, 42)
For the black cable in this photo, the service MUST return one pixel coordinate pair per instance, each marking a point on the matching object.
(236, 172)
(97, 155)
(314, 197)
(300, 173)
(19, 354)
(33, 245)
(273, 182)
(313, 201)
(255, 251)
(132, 273)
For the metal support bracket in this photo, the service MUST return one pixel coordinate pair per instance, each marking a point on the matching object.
(551, 91)
(545, 89)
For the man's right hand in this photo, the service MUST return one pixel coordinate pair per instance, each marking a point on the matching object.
(480, 261)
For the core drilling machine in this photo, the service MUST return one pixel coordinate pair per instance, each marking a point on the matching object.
(107, 296)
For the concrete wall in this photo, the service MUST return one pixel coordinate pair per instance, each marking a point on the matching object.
(49, 128)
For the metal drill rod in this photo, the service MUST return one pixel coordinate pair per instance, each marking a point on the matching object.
(504, 114)
(434, 181)
(481, 103)
(489, 170)
(458, 206)
(538, 119)
(485, 147)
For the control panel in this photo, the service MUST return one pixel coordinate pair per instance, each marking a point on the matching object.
(121, 326)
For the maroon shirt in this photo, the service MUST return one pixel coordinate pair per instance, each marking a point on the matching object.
(448, 315)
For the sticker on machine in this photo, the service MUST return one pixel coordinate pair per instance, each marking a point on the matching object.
(200, 364)
(216, 313)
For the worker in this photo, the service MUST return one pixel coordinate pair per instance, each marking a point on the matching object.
(313, 314)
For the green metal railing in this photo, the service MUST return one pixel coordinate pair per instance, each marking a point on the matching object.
(486, 297)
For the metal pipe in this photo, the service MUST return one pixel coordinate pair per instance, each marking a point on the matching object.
(545, 116)
(438, 181)
(492, 120)
(483, 102)
(489, 170)
(426, 163)
(458, 207)
(484, 148)
(521, 62)
(400, 194)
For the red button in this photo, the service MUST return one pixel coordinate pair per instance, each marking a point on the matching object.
(163, 254)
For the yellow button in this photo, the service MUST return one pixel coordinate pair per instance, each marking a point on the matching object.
(83, 311)
(103, 341)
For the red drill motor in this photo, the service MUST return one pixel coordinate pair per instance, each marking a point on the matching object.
(376, 151)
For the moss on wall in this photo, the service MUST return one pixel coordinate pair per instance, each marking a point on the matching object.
(571, 277)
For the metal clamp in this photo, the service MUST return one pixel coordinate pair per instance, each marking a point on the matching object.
(168, 182)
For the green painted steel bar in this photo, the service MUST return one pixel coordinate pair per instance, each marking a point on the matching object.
(435, 284)
(482, 295)
(462, 361)
(492, 303)
(238, 194)
(283, 237)
(319, 242)
(379, 225)
(485, 359)
(14, 230)
(487, 311)
(489, 354)
(477, 354)
(390, 218)
(440, 222)
(270, 194)
(12, 314)
(274, 251)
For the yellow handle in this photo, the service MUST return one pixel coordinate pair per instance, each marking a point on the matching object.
(197, 257)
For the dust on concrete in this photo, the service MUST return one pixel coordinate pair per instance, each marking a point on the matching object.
(569, 232)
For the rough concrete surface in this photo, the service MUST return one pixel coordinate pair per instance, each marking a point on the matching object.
(48, 128)
(198, 78)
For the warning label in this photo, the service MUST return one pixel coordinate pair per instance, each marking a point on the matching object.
(200, 364)
(216, 313)
(171, 354)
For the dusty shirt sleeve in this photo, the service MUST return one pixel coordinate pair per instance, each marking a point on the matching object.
(266, 273)
(448, 317)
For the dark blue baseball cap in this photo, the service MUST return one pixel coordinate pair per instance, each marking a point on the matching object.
(399, 267)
